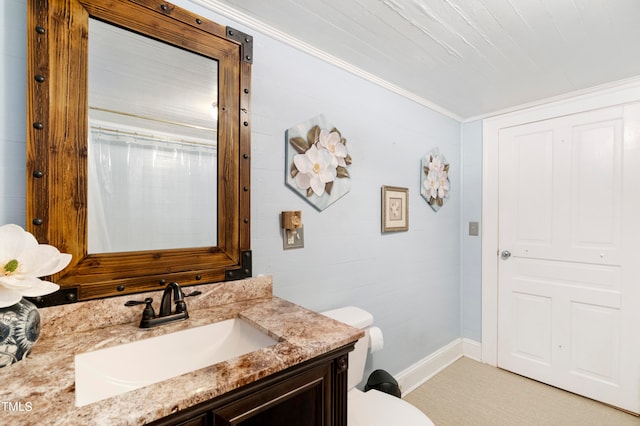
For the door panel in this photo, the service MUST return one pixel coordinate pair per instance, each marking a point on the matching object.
(526, 194)
(595, 342)
(596, 193)
(532, 323)
(568, 295)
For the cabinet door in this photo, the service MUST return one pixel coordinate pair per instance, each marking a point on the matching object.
(302, 400)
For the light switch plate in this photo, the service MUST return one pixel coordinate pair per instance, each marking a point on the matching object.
(474, 229)
(293, 238)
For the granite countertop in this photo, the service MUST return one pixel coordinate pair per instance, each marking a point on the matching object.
(40, 389)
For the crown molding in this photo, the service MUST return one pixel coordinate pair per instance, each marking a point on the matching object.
(266, 29)
(614, 88)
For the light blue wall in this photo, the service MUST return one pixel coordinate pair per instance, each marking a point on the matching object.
(410, 281)
(13, 46)
(471, 281)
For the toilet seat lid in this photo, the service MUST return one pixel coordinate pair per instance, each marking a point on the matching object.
(374, 408)
(351, 315)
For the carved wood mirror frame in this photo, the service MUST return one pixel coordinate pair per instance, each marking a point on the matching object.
(57, 135)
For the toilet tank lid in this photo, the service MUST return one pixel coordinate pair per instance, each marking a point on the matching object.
(351, 315)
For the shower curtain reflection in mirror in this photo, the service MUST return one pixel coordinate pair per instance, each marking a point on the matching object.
(146, 191)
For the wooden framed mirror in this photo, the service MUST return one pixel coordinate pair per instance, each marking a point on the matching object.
(60, 155)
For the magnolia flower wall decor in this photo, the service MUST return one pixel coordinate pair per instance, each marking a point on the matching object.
(22, 262)
(317, 162)
(434, 181)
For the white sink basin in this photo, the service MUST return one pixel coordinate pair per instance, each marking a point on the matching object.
(113, 371)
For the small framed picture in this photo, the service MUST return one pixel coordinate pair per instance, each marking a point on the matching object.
(395, 209)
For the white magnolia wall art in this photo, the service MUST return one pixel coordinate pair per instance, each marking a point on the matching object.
(317, 162)
(434, 181)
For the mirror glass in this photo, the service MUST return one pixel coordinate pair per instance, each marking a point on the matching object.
(152, 148)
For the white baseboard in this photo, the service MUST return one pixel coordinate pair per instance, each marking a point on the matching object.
(412, 377)
(472, 349)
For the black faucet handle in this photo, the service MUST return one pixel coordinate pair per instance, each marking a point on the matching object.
(138, 302)
(148, 312)
(181, 306)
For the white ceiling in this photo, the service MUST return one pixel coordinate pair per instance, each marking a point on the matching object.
(466, 58)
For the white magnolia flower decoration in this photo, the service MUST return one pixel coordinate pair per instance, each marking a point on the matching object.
(435, 165)
(315, 167)
(22, 262)
(331, 141)
(432, 185)
(435, 180)
(321, 159)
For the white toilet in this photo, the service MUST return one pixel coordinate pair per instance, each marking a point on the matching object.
(371, 408)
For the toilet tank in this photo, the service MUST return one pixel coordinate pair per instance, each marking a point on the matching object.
(358, 318)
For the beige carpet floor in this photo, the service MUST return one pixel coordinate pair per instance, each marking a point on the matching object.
(471, 393)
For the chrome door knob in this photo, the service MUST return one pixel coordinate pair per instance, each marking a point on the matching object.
(505, 254)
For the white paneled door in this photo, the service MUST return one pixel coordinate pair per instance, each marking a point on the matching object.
(569, 253)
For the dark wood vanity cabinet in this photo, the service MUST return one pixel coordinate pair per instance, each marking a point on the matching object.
(313, 393)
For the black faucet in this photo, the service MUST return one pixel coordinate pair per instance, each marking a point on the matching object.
(149, 318)
(178, 298)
